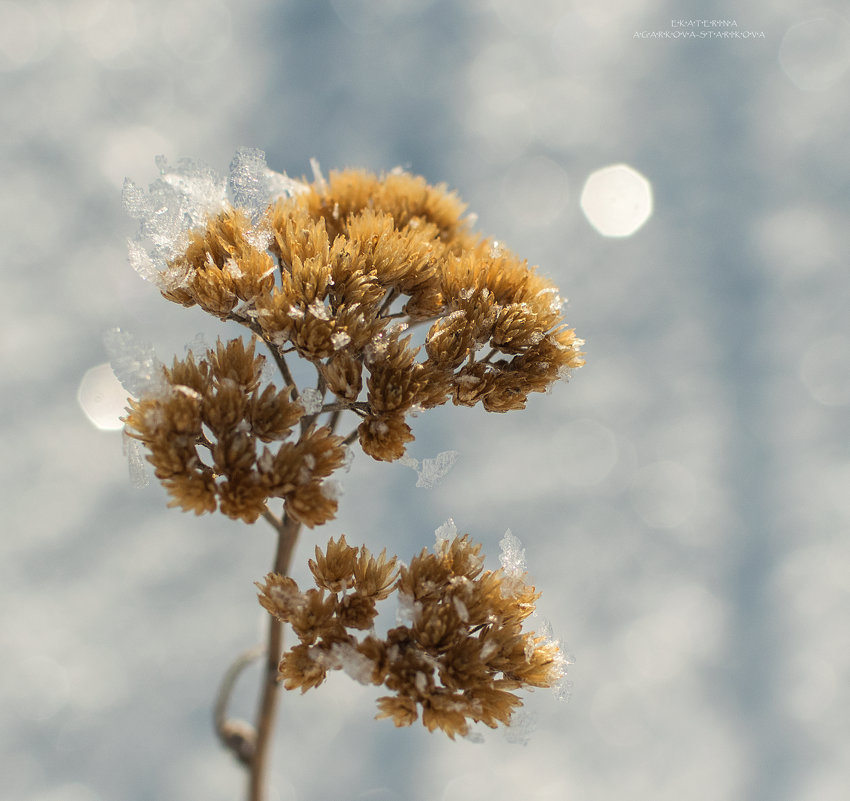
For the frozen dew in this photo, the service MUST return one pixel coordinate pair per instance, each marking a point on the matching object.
(815, 53)
(135, 461)
(311, 399)
(182, 198)
(430, 471)
(102, 398)
(445, 533)
(617, 200)
(825, 371)
(248, 182)
(332, 489)
(521, 727)
(340, 339)
(512, 557)
(346, 657)
(134, 362)
(408, 610)
(433, 471)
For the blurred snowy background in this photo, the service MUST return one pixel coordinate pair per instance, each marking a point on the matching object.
(683, 502)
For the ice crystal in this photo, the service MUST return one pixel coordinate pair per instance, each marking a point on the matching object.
(434, 470)
(311, 400)
(522, 726)
(446, 532)
(135, 461)
(134, 362)
(512, 557)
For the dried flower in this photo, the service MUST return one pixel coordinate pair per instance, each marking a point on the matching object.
(460, 658)
(215, 408)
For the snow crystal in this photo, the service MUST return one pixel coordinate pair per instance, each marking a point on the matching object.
(332, 489)
(180, 199)
(446, 532)
(317, 174)
(431, 471)
(135, 460)
(434, 470)
(409, 461)
(248, 182)
(521, 727)
(348, 458)
(318, 309)
(186, 195)
(340, 339)
(134, 362)
(311, 399)
(474, 737)
(349, 659)
(512, 557)
(408, 610)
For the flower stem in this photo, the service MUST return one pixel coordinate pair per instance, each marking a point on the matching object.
(287, 529)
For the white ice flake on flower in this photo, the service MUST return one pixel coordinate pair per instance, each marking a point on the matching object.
(185, 196)
(134, 362)
(521, 727)
(346, 657)
(135, 460)
(431, 471)
(512, 557)
(340, 339)
(434, 470)
(311, 400)
(446, 532)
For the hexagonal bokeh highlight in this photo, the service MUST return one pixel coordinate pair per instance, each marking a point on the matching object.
(617, 200)
(102, 398)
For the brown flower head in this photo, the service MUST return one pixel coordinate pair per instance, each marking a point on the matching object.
(459, 659)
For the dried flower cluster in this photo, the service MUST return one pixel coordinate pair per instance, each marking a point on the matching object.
(215, 407)
(337, 272)
(460, 656)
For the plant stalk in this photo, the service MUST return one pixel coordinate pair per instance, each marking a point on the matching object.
(287, 529)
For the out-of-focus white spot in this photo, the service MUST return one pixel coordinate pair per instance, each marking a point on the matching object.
(535, 191)
(663, 494)
(106, 29)
(128, 152)
(198, 31)
(28, 32)
(102, 398)
(617, 200)
(590, 452)
(815, 53)
(825, 371)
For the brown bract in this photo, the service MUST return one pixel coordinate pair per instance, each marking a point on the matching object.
(459, 659)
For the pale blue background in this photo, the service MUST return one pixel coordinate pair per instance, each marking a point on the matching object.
(683, 502)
